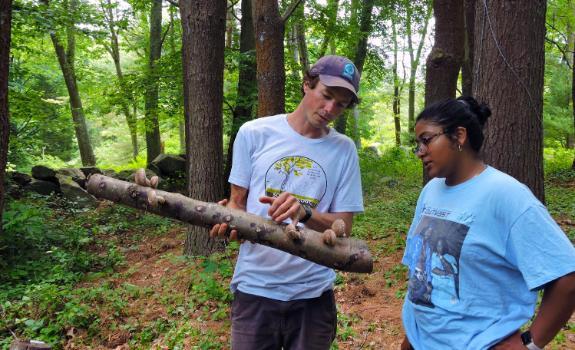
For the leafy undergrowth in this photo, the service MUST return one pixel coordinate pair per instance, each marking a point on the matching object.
(115, 278)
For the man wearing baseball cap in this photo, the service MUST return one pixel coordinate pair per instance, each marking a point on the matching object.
(293, 168)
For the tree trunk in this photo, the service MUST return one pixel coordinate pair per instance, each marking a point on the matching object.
(127, 98)
(247, 83)
(359, 58)
(444, 60)
(300, 39)
(414, 62)
(348, 254)
(467, 66)
(153, 141)
(5, 28)
(396, 101)
(269, 58)
(230, 27)
(331, 9)
(66, 58)
(203, 21)
(509, 62)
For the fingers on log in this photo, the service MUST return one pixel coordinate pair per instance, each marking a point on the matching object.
(338, 227)
(292, 232)
(329, 237)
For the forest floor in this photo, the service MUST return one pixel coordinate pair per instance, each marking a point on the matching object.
(116, 278)
(172, 304)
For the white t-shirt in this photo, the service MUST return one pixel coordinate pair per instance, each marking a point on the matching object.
(270, 158)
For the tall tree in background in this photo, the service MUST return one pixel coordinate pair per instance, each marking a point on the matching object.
(247, 82)
(110, 11)
(396, 89)
(153, 141)
(203, 21)
(300, 38)
(467, 65)
(270, 57)
(414, 57)
(66, 55)
(508, 75)
(66, 59)
(360, 54)
(444, 60)
(270, 28)
(5, 26)
(331, 11)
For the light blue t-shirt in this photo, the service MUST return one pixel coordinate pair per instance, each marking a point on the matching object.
(271, 158)
(493, 245)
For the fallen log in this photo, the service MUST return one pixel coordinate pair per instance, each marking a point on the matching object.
(346, 254)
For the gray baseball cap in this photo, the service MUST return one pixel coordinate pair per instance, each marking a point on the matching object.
(337, 71)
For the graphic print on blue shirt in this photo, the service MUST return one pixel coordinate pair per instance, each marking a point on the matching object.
(433, 254)
(304, 178)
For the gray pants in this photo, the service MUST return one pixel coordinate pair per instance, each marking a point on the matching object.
(260, 323)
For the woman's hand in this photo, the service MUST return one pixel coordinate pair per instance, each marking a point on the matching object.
(513, 342)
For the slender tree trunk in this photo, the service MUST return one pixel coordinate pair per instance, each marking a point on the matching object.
(300, 38)
(396, 101)
(509, 63)
(573, 98)
(203, 21)
(230, 26)
(572, 48)
(127, 98)
(444, 60)
(247, 82)
(270, 58)
(359, 58)
(66, 58)
(414, 62)
(5, 28)
(153, 141)
(331, 9)
(467, 66)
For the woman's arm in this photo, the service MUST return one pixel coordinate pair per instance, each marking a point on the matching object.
(556, 308)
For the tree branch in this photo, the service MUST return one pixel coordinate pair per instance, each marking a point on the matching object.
(564, 52)
(165, 34)
(291, 9)
(347, 254)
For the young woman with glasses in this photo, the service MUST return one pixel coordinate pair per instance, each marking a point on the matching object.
(501, 245)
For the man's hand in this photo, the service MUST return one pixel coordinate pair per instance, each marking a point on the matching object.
(284, 206)
(513, 342)
(220, 230)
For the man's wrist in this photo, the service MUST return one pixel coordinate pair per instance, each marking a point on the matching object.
(306, 213)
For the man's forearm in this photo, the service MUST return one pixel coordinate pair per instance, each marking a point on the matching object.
(322, 221)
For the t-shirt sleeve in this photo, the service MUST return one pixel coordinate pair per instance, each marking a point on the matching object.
(348, 196)
(538, 247)
(240, 174)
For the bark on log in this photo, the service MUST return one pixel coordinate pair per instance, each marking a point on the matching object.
(347, 254)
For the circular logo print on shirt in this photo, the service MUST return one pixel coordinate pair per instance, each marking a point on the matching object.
(300, 176)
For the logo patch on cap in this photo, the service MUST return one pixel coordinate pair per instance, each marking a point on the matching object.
(348, 71)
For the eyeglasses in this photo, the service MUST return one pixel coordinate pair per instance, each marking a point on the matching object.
(425, 141)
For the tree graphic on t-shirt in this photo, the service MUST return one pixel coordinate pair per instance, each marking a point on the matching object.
(292, 165)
